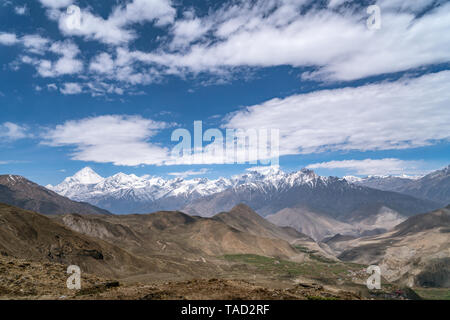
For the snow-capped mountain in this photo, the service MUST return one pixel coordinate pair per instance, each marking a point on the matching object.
(301, 199)
(435, 186)
(122, 193)
(266, 189)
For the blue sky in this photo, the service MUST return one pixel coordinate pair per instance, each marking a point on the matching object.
(108, 91)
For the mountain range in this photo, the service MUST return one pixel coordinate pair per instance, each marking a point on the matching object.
(434, 186)
(323, 224)
(142, 245)
(123, 193)
(317, 206)
(142, 249)
(415, 252)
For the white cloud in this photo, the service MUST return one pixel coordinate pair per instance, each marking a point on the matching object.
(71, 88)
(102, 88)
(276, 33)
(188, 30)
(21, 10)
(56, 4)
(138, 11)
(189, 173)
(103, 63)
(66, 64)
(411, 6)
(115, 29)
(332, 39)
(117, 139)
(336, 3)
(35, 43)
(52, 87)
(8, 39)
(12, 131)
(388, 166)
(407, 113)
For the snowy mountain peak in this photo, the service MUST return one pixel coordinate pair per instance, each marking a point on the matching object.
(146, 191)
(85, 176)
(440, 173)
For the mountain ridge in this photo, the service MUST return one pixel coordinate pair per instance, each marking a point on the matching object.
(434, 186)
(123, 193)
(415, 252)
(21, 192)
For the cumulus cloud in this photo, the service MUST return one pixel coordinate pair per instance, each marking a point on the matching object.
(274, 33)
(188, 30)
(34, 43)
(66, 64)
(71, 88)
(121, 140)
(332, 39)
(56, 4)
(387, 166)
(102, 88)
(52, 87)
(21, 10)
(8, 39)
(408, 113)
(10, 131)
(116, 28)
(127, 141)
(103, 63)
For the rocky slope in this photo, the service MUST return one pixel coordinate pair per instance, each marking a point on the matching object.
(20, 192)
(162, 245)
(244, 219)
(319, 226)
(416, 252)
(145, 251)
(176, 234)
(32, 236)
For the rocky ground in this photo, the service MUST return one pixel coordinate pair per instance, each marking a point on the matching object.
(21, 279)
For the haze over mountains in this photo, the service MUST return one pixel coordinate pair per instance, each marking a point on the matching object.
(314, 205)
